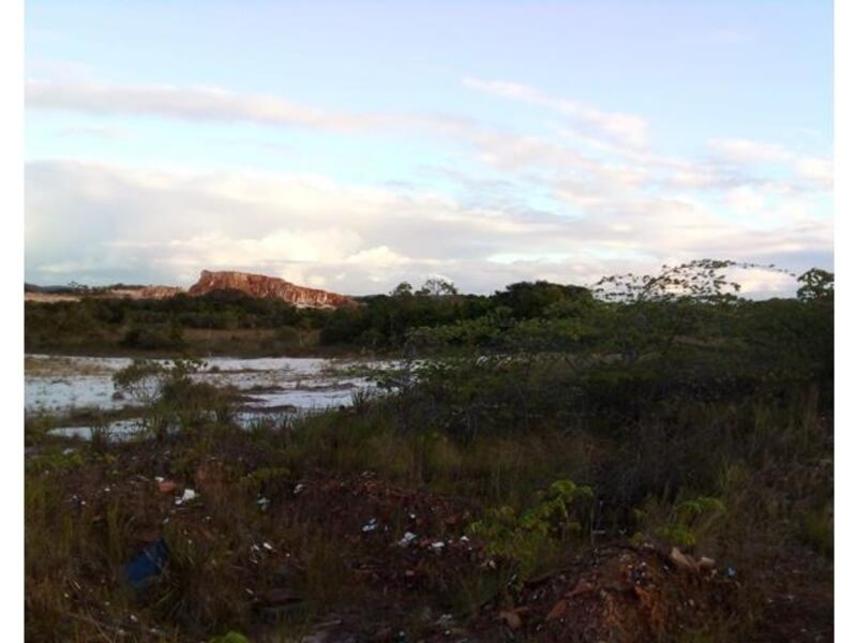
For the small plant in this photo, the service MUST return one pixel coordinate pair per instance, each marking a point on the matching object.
(361, 398)
(559, 515)
(230, 637)
(100, 432)
(816, 529)
(683, 524)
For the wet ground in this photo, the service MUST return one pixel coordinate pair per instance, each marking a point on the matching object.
(270, 387)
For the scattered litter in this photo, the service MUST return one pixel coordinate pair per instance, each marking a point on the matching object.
(370, 526)
(298, 488)
(439, 545)
(683, 561)
(159, 479)
(68, 451)
(268, 546)
(464, 539)
(511, 619)
(407, 539)
(166, 486)
(187, 496)
(148, 564)
(263, 503)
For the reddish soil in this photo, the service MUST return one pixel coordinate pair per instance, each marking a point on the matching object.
(612, 593)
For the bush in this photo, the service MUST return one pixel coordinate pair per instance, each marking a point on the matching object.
(171, 399)
(561, 513)
(153, 338)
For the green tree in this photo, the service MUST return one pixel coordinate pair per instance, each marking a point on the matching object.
(437, 287)
(817, 285)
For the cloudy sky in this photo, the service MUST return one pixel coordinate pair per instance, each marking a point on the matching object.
(353, 145)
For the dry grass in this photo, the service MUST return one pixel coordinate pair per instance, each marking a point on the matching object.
(63, 367)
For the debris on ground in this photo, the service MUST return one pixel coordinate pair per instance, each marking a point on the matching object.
(187, 496)
(147, 565)
(166, 486)
(624, 594)
(608, 593)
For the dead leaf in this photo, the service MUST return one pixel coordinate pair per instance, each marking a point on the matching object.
(558, 611)
(511, 618)
(582, 587)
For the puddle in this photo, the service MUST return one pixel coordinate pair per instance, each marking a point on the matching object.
(118, 430)
(271, 387)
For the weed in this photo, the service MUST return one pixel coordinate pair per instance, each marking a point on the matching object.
(528, 537)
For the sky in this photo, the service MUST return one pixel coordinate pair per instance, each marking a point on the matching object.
(353, 145)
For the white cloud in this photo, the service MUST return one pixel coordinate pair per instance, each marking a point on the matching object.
(607, 149)
(377, 257)
(745, 200)
(93, 131)
(628, 129)
(154, 226)
(818, 171)
(737, 150)
(193, 103)
(764, 283)
(814, 171)
(608, 202)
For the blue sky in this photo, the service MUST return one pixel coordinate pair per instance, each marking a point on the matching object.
(352, 145)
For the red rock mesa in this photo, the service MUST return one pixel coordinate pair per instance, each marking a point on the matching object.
(268, 287)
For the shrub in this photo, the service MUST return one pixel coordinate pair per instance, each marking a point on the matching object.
(171, 399)
(561, 513)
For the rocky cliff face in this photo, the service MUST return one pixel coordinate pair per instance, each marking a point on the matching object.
(268, 287)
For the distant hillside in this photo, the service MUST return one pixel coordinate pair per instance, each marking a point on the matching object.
(254, 285)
